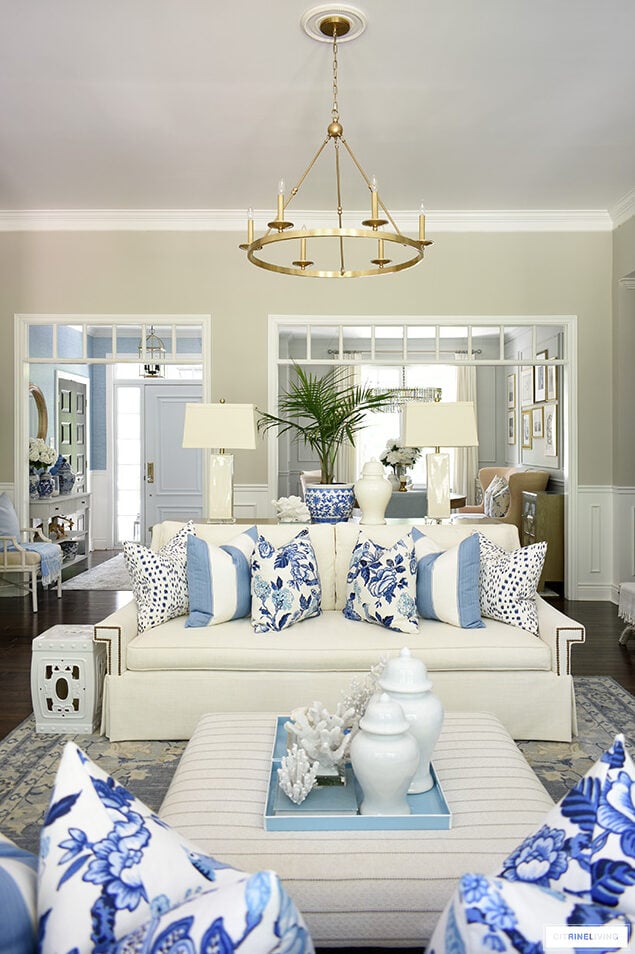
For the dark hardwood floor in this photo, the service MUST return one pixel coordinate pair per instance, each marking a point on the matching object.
(601, 654)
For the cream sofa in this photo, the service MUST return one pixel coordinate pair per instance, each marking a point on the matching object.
(160, 682)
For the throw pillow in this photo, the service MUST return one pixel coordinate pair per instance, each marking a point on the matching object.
(219, 579)
(9, 526)
(381, 585)
(111, 869)
(159, 580)
(491, 914)
(18, 885)
(285, 584)
(497, 498)
(508, 582)
(448, 581)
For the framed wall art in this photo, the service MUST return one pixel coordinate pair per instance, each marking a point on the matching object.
(511, 427)
(552, 382)
(551, 430)
(511, 390)
(537, 422)
(527, 386)
(526, 435)
(540, 378)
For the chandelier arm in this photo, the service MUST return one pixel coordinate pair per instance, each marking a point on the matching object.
(368, 183)
(296, 188)
(339, 202)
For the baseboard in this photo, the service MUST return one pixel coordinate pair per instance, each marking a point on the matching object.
(597, 591)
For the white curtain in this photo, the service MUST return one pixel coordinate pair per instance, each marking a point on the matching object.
(465, 458)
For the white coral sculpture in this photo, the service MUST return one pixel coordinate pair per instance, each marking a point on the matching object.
(324, 736)
(291, 510)
(297, 774)
(361, 691)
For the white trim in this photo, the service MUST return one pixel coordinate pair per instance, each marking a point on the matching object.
(230, 220)
(623, 210)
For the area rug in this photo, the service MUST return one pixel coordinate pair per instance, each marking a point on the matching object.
(29, 761)
(109, 575)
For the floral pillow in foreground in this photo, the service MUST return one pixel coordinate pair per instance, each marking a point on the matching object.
(114, 877)
(381, 585)
(285, 584)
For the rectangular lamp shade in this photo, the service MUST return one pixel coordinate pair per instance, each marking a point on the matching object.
(220, 425)
(439, 424)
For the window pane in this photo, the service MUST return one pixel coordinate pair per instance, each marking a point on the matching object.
(292, 343)
(356, 342)
(389, 341)
(452, 340)
(40, 341)
(70, 343)
(421, 341)
(325, 342)
(486, 342)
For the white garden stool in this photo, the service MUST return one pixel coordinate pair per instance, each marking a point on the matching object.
(626, 611)
(67, 678)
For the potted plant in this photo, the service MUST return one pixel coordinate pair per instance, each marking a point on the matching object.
(324, 413)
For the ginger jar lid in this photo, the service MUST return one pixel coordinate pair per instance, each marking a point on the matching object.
(384, 716)
(373, 468)
(405, 673)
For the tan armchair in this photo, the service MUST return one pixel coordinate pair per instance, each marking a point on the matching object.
(519, 479)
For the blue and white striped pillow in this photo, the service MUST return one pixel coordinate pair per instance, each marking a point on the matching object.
(18, 888)
(448, 581)
(219, 579)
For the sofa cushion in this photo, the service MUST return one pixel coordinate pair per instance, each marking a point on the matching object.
(109, 865)
(321, 536)
(331, 642)
(159, 580)
(509, 582)
(382, 585)
(219, 579)
(18, 888)
(496, 498)
(285, 584)
(448, 581)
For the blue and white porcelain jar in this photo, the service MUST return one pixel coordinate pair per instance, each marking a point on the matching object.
(46, 485)
(329, 503)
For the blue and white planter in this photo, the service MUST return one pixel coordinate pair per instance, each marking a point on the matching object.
(329, 503)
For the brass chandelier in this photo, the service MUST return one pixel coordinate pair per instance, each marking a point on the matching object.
(338, 252)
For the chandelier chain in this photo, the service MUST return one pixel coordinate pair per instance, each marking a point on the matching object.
(335, 111)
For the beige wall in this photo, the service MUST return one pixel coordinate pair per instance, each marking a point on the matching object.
(173, 272)
(624, 356)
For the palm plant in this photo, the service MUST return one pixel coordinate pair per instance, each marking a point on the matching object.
(324, 413)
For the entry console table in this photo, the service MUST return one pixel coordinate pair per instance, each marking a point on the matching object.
(58, 510)
(543, 519)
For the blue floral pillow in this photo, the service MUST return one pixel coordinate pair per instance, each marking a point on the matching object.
(492, 914)
(382, 585)
(285, 584)
(111, 869)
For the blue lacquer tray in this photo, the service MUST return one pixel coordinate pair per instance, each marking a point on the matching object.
(336, 808)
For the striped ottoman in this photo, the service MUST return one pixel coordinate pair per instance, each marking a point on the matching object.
(358, 888)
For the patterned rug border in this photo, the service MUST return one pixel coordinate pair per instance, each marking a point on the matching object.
(29, 761)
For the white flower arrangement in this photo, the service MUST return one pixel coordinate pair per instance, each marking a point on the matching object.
(396, 455)
(41, 453)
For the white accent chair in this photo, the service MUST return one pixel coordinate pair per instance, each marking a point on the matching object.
(14, 558)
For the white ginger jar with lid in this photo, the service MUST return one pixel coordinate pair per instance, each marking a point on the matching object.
(373, 490)
(405, 679)
(384, 756)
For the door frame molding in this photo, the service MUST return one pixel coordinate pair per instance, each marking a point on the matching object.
(22, 323)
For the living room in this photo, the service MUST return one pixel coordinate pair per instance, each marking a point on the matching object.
(136, 140)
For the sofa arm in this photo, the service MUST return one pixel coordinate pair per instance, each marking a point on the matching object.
(560, 632)
(117, 630)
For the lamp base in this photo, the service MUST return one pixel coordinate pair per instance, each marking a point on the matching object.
(220, 507)
(438, 487)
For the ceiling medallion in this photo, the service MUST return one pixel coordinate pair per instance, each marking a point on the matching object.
(338, 252)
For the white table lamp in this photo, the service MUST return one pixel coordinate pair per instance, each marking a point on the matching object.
(219, 426)
(438, 424)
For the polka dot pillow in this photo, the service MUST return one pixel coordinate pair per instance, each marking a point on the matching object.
(159, 580)
(508, 582)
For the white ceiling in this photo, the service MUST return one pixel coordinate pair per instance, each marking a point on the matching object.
(191, 105)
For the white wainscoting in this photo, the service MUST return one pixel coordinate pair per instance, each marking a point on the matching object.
(623, 537)
(606, 541)
(252, 501)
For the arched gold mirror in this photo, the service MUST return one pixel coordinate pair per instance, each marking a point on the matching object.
(42, 413)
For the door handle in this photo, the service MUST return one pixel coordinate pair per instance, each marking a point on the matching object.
(150, 472)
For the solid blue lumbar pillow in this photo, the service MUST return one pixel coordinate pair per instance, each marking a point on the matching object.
(448, 581)
(219, 579)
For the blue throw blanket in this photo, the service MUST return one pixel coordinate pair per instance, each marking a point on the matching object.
(50, 557)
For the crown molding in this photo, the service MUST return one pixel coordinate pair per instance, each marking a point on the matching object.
(624, 209)
(224, 220)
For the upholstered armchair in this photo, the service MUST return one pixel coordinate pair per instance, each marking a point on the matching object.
(518, 479)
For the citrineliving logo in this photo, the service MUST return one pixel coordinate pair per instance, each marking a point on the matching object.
(603, 937)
